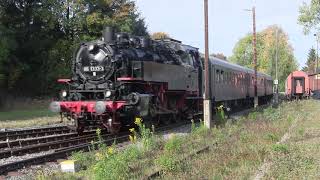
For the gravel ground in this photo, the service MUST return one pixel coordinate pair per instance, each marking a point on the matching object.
(26, 139)
(19, 158)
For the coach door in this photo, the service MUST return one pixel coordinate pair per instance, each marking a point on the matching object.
(298, 84)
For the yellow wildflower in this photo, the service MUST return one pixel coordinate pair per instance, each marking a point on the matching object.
(110, 150)
(131, 138)
(138, 121)
(132, 130)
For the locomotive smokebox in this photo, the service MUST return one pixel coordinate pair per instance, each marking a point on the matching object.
(108, 34)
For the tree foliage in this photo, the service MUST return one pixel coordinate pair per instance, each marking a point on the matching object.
(38, 37)
(266, 53)
(220, 56)
(311, 61)
(309, 19)
(160, 35)
(309, 16)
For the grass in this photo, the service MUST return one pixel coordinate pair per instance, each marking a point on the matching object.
(236, 151)
(299, 158)
(26, 113)
(26, 118)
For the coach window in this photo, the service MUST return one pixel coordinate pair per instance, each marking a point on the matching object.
(233, 78)
(242, 79)
(222, 78)
(218, 75)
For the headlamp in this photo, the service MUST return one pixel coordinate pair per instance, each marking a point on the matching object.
(107, 93)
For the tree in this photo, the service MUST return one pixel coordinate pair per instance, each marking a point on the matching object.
(310, 21)
(38, 38)
(309, 16)
(311, 61)
(219, 56)
(266, 50)
(160, 35)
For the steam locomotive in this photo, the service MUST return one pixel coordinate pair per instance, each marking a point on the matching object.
(121, 77)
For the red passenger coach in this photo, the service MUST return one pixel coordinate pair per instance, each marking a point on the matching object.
(297, 85)
(314, 82)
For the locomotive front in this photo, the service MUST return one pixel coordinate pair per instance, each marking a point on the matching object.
(93, 97)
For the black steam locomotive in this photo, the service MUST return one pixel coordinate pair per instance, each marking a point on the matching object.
(122, 77)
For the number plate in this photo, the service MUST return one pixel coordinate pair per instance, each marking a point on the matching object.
(93, 68)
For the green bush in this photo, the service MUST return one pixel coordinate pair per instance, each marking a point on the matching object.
(168, 162)
(201, 131)
(174, 145)
(282, 148)
(84, 159)
(116, 166)
(272, 137)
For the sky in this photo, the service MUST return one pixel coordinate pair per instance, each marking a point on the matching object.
(228, 22)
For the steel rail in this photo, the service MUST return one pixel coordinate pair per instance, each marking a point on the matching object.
(31, 134)
(31, 130)
(28, 142)
(50, 145)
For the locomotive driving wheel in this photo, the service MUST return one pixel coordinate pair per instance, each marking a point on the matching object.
(77, 125)
(111, 124)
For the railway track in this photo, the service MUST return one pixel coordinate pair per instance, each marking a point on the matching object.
(31, 133)
(64, 148)
(64, 143)
(19, 143)
(57, 154)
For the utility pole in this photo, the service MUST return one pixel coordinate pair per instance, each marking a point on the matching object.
(276, 81)
(207, 110)
(256, 99)
(317, 59)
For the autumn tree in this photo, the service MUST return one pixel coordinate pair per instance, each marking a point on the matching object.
(266, 51)
(219, 56)
(160, 35)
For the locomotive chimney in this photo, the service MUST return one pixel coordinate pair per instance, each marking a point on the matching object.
(108, 34)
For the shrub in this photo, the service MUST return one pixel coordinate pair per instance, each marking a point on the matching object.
(282, 148)
(173, 145)
(84, 159)
(147, 138)
(116, 166)
(272, 137)
(168, 162)
(202, 130)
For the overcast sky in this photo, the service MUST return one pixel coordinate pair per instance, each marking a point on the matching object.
(183, 20)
